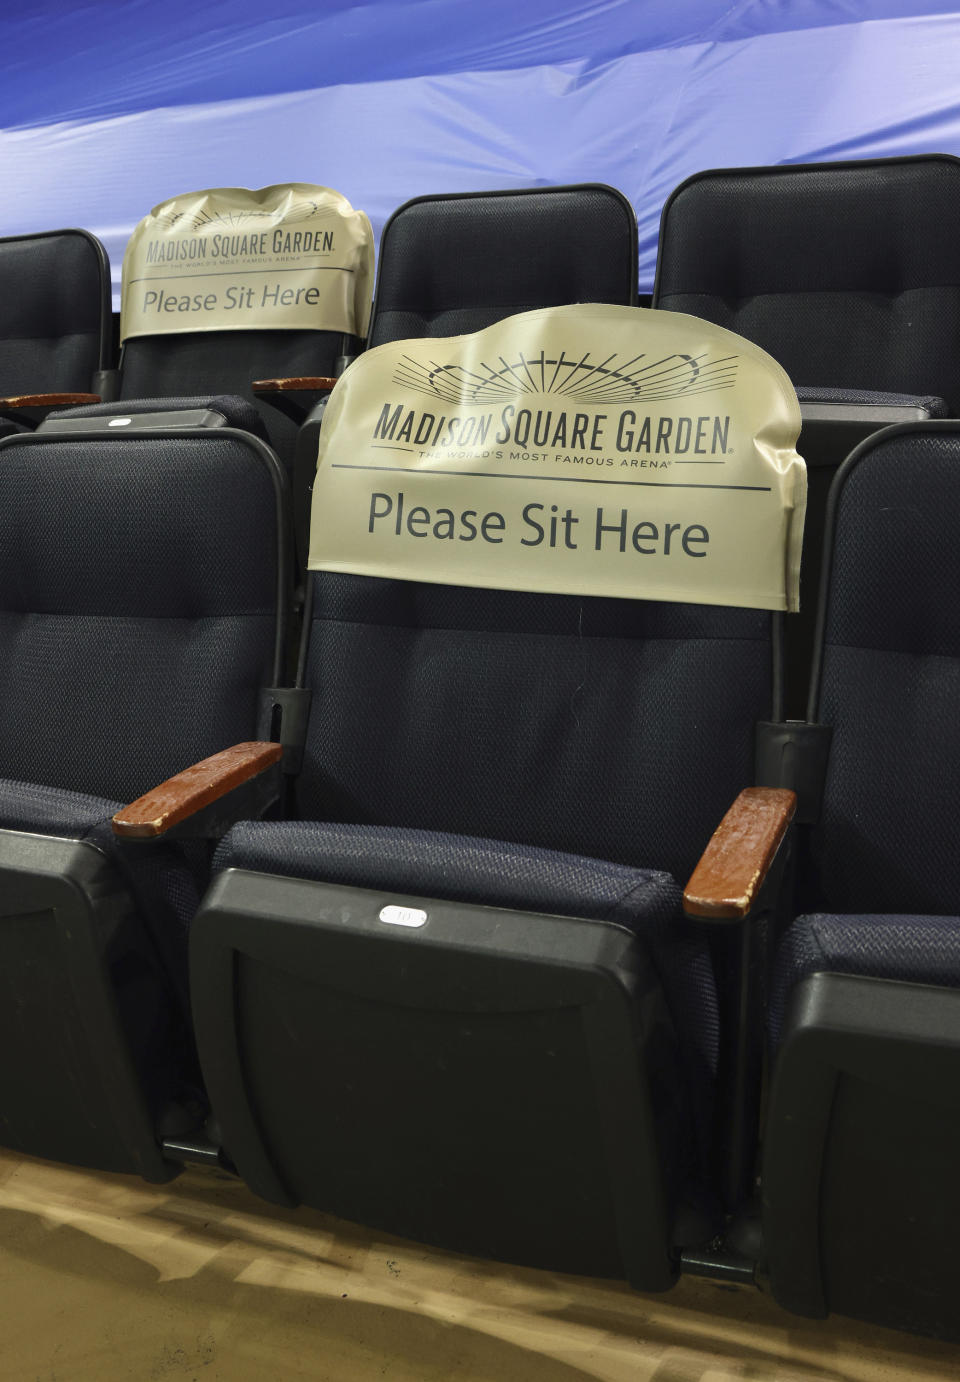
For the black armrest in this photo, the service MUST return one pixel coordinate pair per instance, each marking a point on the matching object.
(836, 420)
(295, 396)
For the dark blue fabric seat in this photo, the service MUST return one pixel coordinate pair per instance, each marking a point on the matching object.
(847, 274)
(458, 262)
(863, 1135)
(205, 364)
(521, 779)
(141, 615)
(456, 998)
(494, 873)
(908, 949)
(55, 326)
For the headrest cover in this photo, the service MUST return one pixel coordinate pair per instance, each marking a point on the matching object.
(583, 450)
(289, 257)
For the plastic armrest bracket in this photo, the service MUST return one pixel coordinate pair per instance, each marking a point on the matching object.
(734, 866)
(295, 396)
(204, 800)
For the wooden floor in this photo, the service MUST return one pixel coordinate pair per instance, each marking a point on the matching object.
(102, 1277)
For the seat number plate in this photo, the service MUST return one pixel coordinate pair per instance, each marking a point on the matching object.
(403, 916)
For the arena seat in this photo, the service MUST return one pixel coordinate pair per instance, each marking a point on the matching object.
(457, 262)
(453, 995)
(848, 273)
(215, 363)
(861, 1208)
(265, 362)
(142, 614)
(55, 327)
(517, 1081)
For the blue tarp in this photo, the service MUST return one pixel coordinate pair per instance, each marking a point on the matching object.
(107, 109)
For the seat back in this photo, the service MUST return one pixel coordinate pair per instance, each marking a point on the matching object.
(244, 268)
(138, 603)
(888, 677)
(516, 751)
(458, 262)
(847, 273)
(861, 1210)
(55, 323)
(615, 729)
(228, 362)
(141, 615)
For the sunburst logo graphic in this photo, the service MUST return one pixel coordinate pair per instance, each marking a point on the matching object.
(614, 379)
(235, 220)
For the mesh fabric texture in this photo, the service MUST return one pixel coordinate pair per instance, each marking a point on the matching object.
(227, 362)
(848, 274)
(456, 264)
(53, 289)
(890, 685)
(912, 949)
(137, 607)
(620, 730)
(935, 407)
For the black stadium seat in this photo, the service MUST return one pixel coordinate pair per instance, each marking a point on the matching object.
(458, 262)
(849, 275)
(204, 364)
(141, 617)
(198, 363)
(55, 330)
(861, 1203)
(533, 1076)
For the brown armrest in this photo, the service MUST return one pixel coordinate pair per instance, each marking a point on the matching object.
(293, 397)
(48, 400)
(318, 383)
(735, 863)
(31, 408)
(188, 792)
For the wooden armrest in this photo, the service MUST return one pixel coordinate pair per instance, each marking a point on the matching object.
(317, 383)
(735, 863)
(47, 400)
(30, 409)
(188, 792)
(293, 397)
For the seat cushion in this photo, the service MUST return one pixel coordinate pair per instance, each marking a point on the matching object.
(51, 810)
(165, 881)
(494, 873)
(453, 867)
(912, 949)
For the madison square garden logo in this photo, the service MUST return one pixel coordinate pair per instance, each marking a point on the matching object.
(554, 398)
(578, 377)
